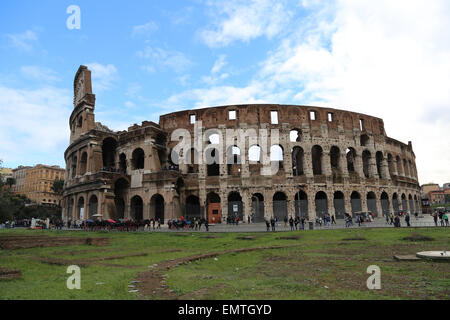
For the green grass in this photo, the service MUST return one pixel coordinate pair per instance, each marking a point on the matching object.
(320, 266)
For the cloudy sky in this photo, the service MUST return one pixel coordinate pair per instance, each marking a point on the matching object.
(389, 59)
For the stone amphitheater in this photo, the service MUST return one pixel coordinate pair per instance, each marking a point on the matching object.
(267, 160)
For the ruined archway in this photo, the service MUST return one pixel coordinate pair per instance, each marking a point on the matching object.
(214, 209)
(355, 200)
(301, 204)
(297, 161)
(192, 207)
(157, 207)
(93, 206)
(339, 205)
(384, 203)
(395, 204)
(109, 146)
(138, 159)
(280, 206)
(137, 208)
(317, 154)
(235, 205)
(258, 207)
(372, 203)
(321, 202)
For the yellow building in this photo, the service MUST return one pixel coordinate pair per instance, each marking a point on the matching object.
(6, 173)
(38, 182)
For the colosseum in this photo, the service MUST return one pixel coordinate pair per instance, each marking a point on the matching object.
(326, 160)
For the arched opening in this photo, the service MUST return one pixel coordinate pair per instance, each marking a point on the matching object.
(391, 165)
(109, 146)
(123, 163)
(121, 187)
(254, 154)
(258, 207)
(276, 155)
(335, 159)
(80, 209)
(235, 206)
(234, 161)
(411, 204)
(297, 161)
(317, 154)
(339, 205)
(301, 204)
(372, 203)
(385, 203)
(280, 206)
(364, 140)
(157, 207)
(83, 163)
(295, 135)
(366, 156)
(416, 202)
(214, 210)
(93, 206)
(404, 203)
(351, 158)
(355, 200)
(192, 160)
(74, 166)
(212, 160)
(137, 208)
(138, 159)
(405, 167)
(70, 213)
(193, 207)
(395, 204)
(379, 159)
(321, 202)
(80, 122)
(399, 166)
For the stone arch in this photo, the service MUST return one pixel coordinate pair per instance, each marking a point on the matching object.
(279, 202)
(74, 166)
(258, 207)
(255, 153)
(391, 165)
(379, 160)
(137, 208)
(138, 159)
(321, 202)
(335, 159)
(123, 163)
(384, 203)
(157, 207)
(366, 157)
(192, 208)
(235, 205)
(351, 159)
(214, 208)
(295, 135)
(121, 189)
(93, 205)
(339, 205)
(301, 204)
(83, 163)
(81, 214)
(372, 203)
(212, 160)
(410, 204)
(399, 166)
(277, 154)
(395, 204)
(109, 146)
(298, 157)
(317, 154)
(404, 203)
(234, 160)
(355, 201)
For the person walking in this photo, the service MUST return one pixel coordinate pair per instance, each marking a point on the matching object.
(446, 218)
(303, 220)
(272, 223)
(441, 218)
(407, 220)
(248, 219)
(206, 225)
(268, 225)
(333, 220)
(296, 221)
(435, 218)
(291, 223)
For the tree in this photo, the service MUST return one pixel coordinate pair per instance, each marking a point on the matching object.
(58, 186)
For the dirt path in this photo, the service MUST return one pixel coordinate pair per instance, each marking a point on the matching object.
(153, 282)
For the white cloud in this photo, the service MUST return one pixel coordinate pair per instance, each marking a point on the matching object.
(22, 134)
(23, 41)
(39, 73)
(103, 76)
(237, 21)
(219, 64)
(173, 60)
(145, 29)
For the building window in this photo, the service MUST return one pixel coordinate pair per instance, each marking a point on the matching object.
(361, 124)
(312, 115)
(330, 117)
(192, 118)
(274, 117)
(232, 115)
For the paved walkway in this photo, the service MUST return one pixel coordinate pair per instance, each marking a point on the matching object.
(425, 221)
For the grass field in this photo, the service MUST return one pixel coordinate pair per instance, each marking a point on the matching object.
(317, 265)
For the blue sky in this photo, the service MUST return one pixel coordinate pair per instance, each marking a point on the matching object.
(384, 58)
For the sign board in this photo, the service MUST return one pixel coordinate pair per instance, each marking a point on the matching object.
(235, 208)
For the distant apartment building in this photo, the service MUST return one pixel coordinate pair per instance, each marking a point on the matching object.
(19, 175)
(439, 196)
(6, 173)
(427, 188)
(36, 182)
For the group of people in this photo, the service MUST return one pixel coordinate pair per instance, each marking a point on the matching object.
(182, 223)
(443, 218)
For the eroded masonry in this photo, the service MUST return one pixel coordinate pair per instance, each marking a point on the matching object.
(328, 161)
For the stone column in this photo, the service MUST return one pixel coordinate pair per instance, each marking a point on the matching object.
(359, 166)
(330, 200)
(385, 169)
(343, 165)
(311, 206)
(308, 169)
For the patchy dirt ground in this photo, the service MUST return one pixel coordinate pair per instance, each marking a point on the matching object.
(25, 242)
